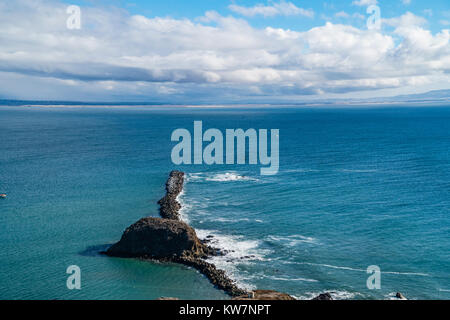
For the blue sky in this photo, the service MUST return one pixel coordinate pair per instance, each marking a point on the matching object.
(222, 51)
(324, 10)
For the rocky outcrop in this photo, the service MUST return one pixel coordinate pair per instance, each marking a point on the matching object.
(169, 239)
(400, 296)
(156, 238)
(323, 296)
(265, 295)
(169, 206)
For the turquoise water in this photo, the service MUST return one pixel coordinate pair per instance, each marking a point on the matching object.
(356, 187)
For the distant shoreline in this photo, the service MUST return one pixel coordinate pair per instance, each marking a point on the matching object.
(341, 105)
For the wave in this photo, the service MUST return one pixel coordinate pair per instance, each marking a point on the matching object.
(335, 294)
(290, 279)
(359, 270)
(231, 220)
(292, 240)
(184, 207)
(237, 251)
(229, 176)
(219, 177)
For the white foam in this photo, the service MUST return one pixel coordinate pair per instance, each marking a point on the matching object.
(292, 279)
(230, 220)
(393, 296)
(228, 176)
(194, 176)
(292, 240)
(184, 207)
(360, 270)
(218, 177)
(238, 251)
(335, 294)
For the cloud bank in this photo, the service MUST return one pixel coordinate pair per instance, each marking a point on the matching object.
(117, 55)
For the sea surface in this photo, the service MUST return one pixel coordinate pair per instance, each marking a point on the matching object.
(356, 187)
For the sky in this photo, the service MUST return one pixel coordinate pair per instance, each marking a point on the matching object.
(237, 51)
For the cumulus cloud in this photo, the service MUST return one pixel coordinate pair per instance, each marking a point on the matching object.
(282, 8)
(119, 55)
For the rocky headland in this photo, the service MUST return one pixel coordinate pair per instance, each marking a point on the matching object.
(169, 239)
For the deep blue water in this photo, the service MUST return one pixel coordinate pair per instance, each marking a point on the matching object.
(356, 187)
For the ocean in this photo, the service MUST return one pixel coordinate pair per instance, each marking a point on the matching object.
(356, 187)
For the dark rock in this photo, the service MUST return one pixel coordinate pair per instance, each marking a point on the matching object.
(157, 238)
(264, 295)
(323, 296)
(216, 276)
(400, 296)
(169, 206)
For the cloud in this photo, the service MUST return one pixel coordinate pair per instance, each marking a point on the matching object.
(406, 2)
(363, 3)
(282, 8)
(406, 21)
(117, 55)
(341, 14)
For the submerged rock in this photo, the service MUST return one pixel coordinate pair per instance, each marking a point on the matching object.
(265, 295)
(158, 238)
(323, 296)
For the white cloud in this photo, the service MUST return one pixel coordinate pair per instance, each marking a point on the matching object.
(363, 3)
(406, 2)
(407, 20)
(117, 55)
(341, 14)
(281, 8)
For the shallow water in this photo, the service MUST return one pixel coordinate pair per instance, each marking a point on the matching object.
(356, 187)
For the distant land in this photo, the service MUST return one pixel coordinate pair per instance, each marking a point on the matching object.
(435, 97)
